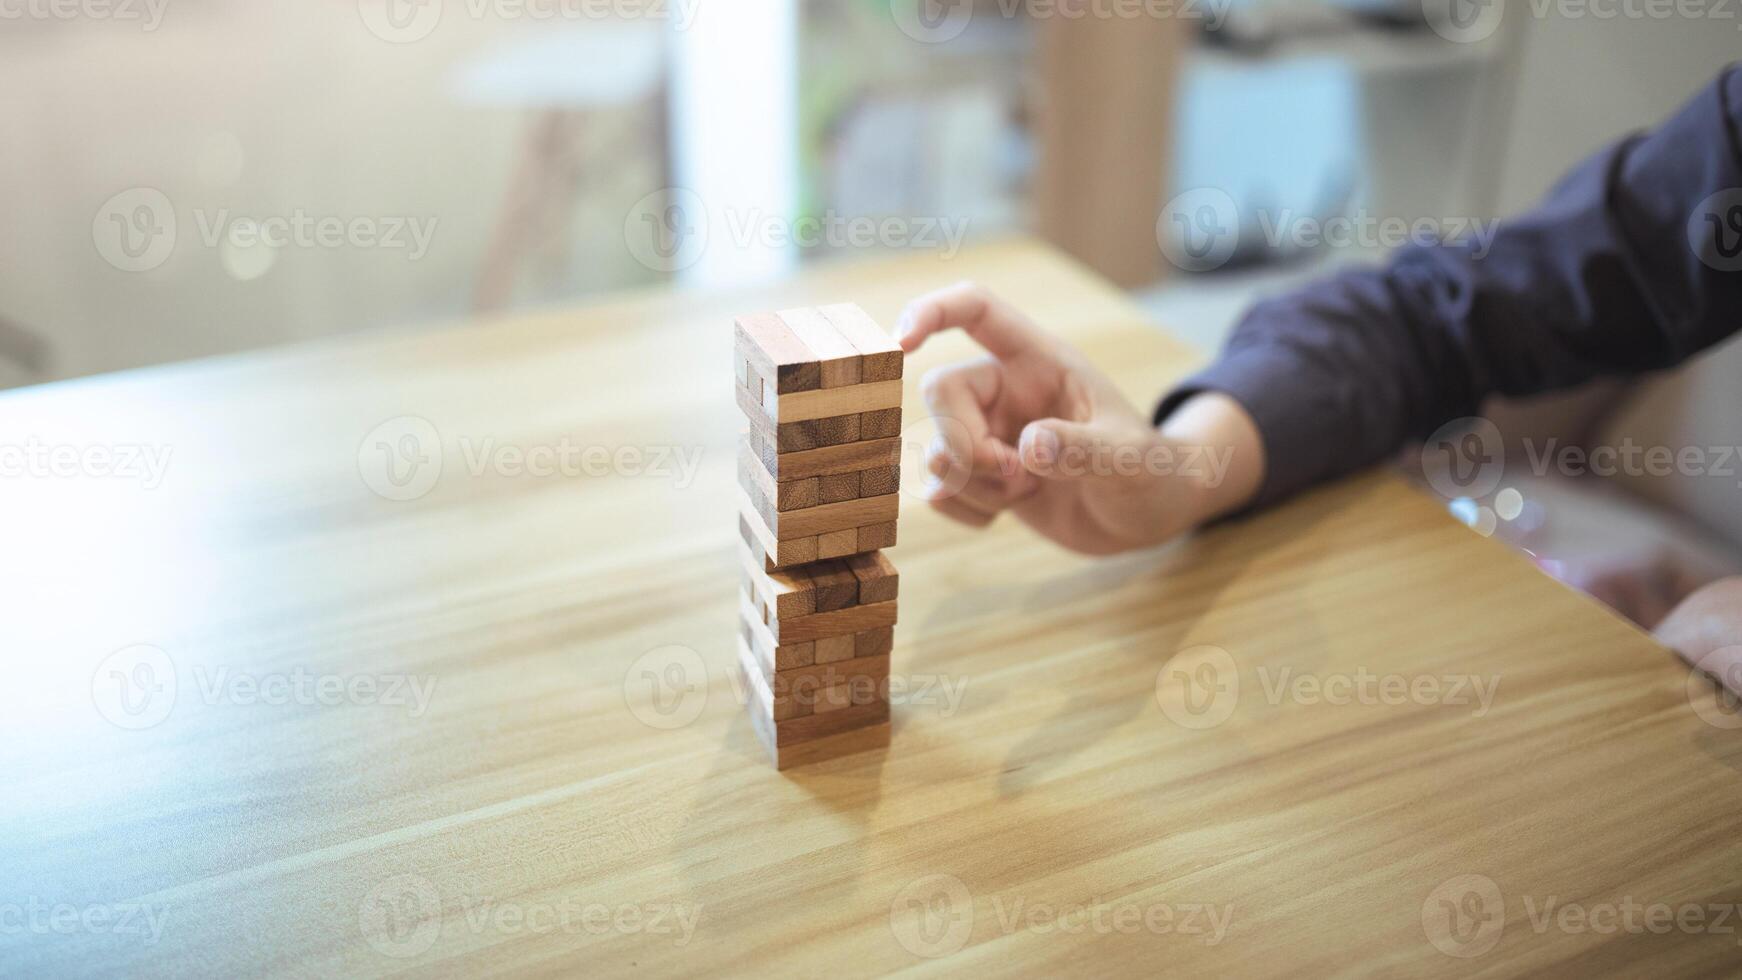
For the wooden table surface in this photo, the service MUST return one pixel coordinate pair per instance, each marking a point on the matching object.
(260, 718)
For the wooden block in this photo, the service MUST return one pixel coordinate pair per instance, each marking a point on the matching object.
(789, 592)
(836, 430)
(777, 553)
(852, 619)
(875, 536)
(821, 403)
(816, 726)
(867, 739)
(853, 457)
(776, 353)
(779, 707)
(837, 358)
(831, 649)
(836, 544)
(882, 356)
(836, 487)
(806, 683)
(879, 642)
(878, 580)
(844, 515)
(791, 495)
(879, 481)
(778, 656)
(830, 699)
(885, 423)
(833, 586)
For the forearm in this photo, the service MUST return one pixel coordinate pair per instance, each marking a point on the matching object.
(1602, 279)
(1221, 433)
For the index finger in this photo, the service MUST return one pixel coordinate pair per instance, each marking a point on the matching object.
(994, 324)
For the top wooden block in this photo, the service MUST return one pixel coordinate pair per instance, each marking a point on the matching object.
(810, 348)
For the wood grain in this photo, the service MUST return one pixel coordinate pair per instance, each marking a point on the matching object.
(367, 839)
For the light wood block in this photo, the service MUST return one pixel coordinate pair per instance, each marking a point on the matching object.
(853, 619)
(837, 359)
(830, 649)
(836, 544)
(882, 356)
(878, 580)
(873, 537)
(854, 457)
(776, 353)
(820, 403)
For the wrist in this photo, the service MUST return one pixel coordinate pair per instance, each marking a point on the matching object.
(1222, 454)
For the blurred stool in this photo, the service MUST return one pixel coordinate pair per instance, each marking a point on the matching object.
(566, 76)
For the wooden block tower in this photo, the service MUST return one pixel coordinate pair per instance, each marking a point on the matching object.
(819, 473)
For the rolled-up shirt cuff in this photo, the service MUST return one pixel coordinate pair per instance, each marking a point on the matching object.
(1288, 407)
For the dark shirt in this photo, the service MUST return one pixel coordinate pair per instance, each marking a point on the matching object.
(1633, 262)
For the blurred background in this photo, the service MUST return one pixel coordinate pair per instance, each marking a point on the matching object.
(187, 178)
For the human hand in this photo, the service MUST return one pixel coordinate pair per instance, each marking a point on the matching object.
(1706, 630)
(1036, 429)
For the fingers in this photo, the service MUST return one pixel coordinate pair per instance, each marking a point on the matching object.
(993, 324)
(1061, 449)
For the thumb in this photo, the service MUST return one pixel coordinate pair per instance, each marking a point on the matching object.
(1062, 450)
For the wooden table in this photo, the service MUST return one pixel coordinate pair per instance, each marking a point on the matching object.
(1126, 765)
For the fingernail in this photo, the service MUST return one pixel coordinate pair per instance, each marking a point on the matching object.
(904, 326)
(1046, 445)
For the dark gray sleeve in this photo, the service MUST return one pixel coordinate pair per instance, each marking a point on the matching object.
(1631, 263)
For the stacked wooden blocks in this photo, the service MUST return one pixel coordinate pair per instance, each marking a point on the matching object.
(819, 471)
